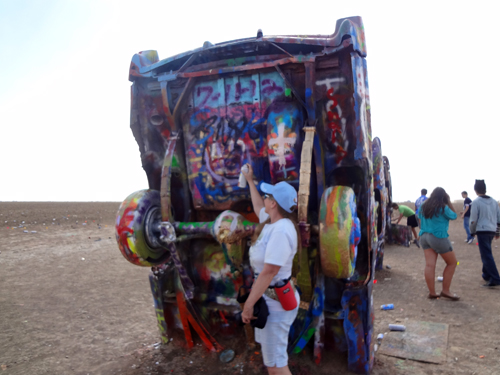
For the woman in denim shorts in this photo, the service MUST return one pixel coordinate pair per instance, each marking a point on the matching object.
(435, 215)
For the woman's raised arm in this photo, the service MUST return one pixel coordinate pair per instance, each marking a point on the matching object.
(257, 201)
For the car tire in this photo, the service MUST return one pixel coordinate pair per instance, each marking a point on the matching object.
(339, 232)
(136, 232)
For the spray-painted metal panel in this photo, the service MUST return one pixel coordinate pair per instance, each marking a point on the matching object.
(231, 121)
(381, 198)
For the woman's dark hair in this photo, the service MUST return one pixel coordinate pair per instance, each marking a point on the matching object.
(436, 203)
(480, 187)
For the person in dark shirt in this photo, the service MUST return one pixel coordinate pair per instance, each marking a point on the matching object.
(465, 214)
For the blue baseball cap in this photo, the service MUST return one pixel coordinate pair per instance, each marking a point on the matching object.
(283, 193)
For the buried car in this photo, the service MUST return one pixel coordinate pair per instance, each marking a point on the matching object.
(297, 109)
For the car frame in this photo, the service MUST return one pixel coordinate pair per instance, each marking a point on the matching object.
(297, 108)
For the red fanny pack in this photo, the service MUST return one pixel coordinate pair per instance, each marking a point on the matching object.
(286, 296)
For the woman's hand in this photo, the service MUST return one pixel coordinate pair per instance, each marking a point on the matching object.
(258, 288)
(247, 314)
(249, 173)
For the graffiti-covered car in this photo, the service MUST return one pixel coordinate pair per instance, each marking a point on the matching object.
(297, 108)
(383, 197)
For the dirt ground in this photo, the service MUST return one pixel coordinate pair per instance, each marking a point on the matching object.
(71, 304)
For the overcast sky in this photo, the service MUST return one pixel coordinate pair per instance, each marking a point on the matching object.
(65, 94)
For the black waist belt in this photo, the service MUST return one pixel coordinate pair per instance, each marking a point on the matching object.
(255, 275)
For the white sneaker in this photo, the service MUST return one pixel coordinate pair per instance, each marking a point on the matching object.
(466, 240)
(470, 241)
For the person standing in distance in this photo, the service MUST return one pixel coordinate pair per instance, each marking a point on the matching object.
(418, 203)
(465, 214)
(435, 215)
(485, 224)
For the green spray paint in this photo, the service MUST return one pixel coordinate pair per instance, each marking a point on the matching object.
(236, 62)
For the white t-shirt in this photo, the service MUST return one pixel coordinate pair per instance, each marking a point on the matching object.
(277, 245)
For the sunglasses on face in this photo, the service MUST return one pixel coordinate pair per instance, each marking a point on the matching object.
(267, 196)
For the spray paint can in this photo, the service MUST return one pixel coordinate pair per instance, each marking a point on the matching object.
(242, 182)
(390, 306)
(440, 278)
(397, 327)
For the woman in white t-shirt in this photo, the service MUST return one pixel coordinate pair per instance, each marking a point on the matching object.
(271, 257)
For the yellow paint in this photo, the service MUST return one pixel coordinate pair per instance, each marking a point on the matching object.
(335, 231)
(304, 277)
(131, 245)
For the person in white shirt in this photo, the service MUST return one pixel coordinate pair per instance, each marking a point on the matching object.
(273, 248)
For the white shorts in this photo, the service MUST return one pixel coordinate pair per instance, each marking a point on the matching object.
(273, 338)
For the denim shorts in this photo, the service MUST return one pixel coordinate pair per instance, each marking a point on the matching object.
(439, 245)
(273, 338)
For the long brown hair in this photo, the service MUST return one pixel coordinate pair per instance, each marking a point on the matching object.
(436, 203)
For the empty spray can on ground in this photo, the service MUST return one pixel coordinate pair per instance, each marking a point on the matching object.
(397, 327)
(390, 306)
(242, 182)
(440, 278)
